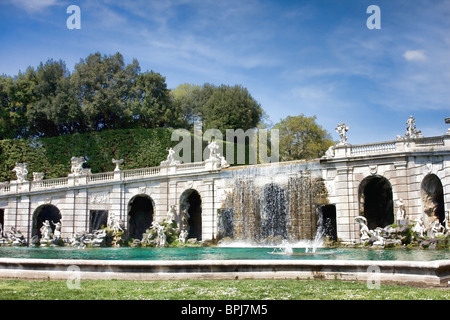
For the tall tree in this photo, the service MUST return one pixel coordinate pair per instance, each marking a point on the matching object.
(231, 107)
(56, 110)
(189, 99)
(302, 138)
(104, 87)
(152, 104)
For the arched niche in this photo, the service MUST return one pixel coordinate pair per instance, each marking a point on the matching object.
(41, 214)
(433, 198)
(191, 208)
(376, 201)
(140, 215)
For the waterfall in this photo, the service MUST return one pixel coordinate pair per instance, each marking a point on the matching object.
(272, 212)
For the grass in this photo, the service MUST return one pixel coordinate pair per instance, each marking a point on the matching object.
(214, 290)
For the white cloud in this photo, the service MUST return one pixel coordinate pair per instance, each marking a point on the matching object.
(35, 5)
(415, 55)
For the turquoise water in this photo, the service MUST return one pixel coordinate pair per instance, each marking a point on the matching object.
(219, 253)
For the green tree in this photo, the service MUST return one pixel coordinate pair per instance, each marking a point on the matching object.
(231, 107)
(302, 138)
(104, 86)
(189, 100)
(16, 95)
(152, 103)
(55, 110)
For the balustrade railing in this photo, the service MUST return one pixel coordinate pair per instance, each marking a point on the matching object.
(142, 172)
(50, 183)
(373, 148)
(100, 177)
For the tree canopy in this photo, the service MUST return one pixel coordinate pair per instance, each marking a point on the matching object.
(103, 92)
(302, 138)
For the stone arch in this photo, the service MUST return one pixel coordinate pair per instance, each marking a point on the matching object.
(140, 215)
(376, 201)
(41, 214)
(191, 206)
(433, 198)
(272, 211)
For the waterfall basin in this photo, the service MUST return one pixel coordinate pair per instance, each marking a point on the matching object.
(222, 253)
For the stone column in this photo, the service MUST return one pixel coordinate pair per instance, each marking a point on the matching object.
(344, 206)
(209, 218)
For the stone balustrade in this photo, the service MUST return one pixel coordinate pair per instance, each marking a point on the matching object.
(99, 178)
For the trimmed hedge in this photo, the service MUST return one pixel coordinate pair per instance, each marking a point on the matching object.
(138, 147)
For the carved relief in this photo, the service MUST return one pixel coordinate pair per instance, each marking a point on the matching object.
(99, 198)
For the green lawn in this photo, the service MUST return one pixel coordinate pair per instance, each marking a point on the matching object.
(213, 289)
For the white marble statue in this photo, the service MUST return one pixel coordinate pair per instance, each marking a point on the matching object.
(342, 129)
(380, 240)
(77, 166)
(401, 213)
(213, 147)
(114, 223)
(223, 161)
(363, 229)
(57, 231)
(436, 229)
(411, 131)
(183, 236)
(21, 171)
(172, 213)
(161, 236)
(170, 159)
(46, 231)
(419, 227)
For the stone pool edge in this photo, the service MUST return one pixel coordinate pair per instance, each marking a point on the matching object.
(430, 273)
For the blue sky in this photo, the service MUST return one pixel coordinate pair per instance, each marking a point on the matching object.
(315, 57)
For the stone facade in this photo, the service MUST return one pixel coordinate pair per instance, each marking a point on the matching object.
(401, 166)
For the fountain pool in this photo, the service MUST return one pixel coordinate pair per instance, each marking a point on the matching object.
(222, 253)
(430, 267)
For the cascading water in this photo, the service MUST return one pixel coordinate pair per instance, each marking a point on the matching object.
(273, 212)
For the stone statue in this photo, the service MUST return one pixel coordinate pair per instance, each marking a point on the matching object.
(57, 231)
(342, 130)
(213, 147)
(411, 131)
(223, 161)
(170, 159)
(329, 153)
(436, 229)
(114, 223)
(183, 236)
(15, 237)
(171, 214)
(363, 229)
(380, 240)
(419, 227)
(21, 172)
(77, 166)
(161, 236)
(401, 214)
(46, 231)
